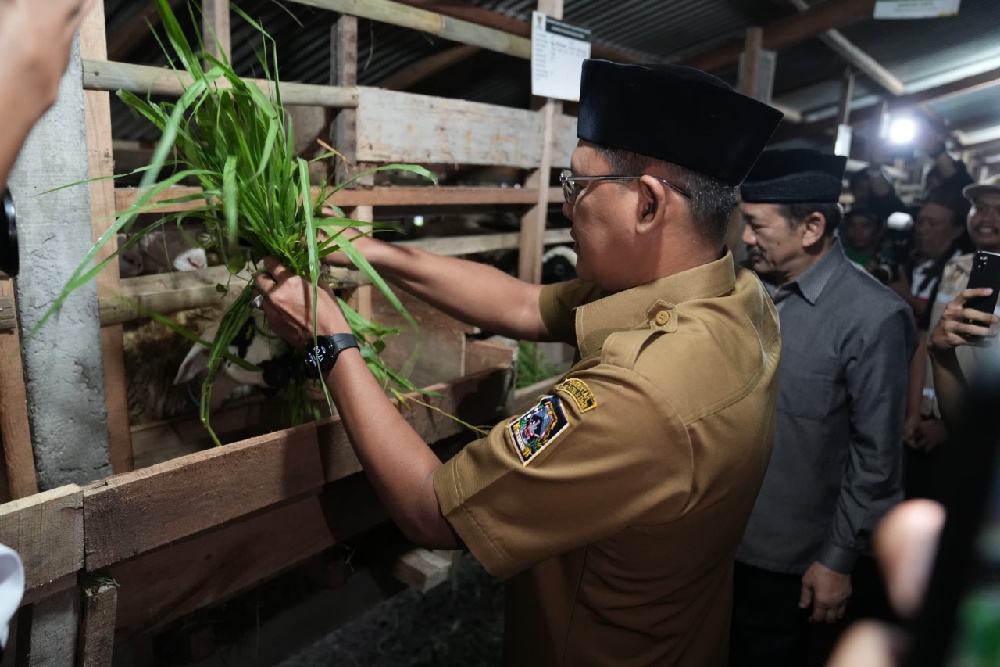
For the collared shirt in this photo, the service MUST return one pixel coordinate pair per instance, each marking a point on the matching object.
(836, 464)
(616, 504)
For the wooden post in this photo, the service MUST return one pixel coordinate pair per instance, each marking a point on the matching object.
(344, 132)
(533, 222)
(756, 79)
(100, 158)
(215, 28)
(97, 634)
(19, 459)
(344, 72)
(750, 61)
(844, 132)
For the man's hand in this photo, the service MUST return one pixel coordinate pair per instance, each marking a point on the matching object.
(34, 49)
(931, 433)
(287, 303)
(954, 328)
(827, 591)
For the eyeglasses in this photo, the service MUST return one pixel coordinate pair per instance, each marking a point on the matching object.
(572, 185)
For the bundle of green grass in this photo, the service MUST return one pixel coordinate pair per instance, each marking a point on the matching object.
(235, 140)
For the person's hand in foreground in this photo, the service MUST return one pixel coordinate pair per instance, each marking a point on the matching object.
(35, 41)
(905, 542)
(960, 325)
(288, 305)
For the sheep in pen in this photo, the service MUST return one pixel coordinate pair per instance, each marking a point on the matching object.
(164, 368)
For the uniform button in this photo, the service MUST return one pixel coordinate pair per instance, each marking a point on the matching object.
(662, 318)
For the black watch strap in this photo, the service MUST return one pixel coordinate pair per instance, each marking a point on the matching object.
(320, 357)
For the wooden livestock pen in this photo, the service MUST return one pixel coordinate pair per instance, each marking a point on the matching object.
(177, 526)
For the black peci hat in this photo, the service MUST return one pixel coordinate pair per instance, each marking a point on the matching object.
(676, 114)
(793, 176)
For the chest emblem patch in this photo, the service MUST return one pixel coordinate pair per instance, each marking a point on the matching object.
(578, 390)
(538, 427)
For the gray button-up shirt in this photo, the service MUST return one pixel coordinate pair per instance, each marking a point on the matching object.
(836, 462)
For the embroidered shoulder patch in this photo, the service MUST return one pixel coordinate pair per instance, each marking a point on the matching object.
(538, 427)
(578, 390)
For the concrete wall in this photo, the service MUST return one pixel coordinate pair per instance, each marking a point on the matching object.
(63, 367)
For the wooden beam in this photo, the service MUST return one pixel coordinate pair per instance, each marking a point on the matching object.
(432, 23)
(454, 246)
(215, 28)
(786, 32)
(143, 80)
(46, 530)
(137, 512)
(165, 584)
(388, 196)
(750, 62)
(428, 67)
(344, 72)
(15, 432)
(100, 158)
(97, 632)
(513, 26)
(856, 57)
(403, 127)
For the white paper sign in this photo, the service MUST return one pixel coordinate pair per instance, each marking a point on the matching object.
(558, 50)
(915, 9)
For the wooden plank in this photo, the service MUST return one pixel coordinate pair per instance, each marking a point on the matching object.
(139, 511)
(54, 623)
(100, 158)
(380, 197)
(97, 632)
(162, 585)
(19, 458)
(182, 290)
(143, 80)
(454, 246)
(429, 22)
(403, 127)
(514, 26)
(481, 355)
(421, 569)
(46, 530)
(431, 354)
(786, 32)
(477, 399)
(750, 62)
(532, 241)
(215, 28)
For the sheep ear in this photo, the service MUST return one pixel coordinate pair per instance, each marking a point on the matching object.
(194, 364)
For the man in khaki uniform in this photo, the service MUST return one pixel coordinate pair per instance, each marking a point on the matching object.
(615, 505)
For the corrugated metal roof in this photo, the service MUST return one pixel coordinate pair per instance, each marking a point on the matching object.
(921, 53)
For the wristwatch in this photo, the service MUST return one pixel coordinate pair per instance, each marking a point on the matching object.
(321, 356)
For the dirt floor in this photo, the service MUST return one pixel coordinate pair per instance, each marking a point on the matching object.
(457, 624)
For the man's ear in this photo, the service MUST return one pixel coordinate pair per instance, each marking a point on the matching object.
(654, 200)
(815, 228)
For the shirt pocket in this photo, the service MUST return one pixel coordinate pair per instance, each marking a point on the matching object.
(810, 385)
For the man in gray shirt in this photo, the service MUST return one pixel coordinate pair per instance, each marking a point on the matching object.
(836, 462)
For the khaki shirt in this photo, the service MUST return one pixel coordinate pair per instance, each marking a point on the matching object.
(615, 506)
